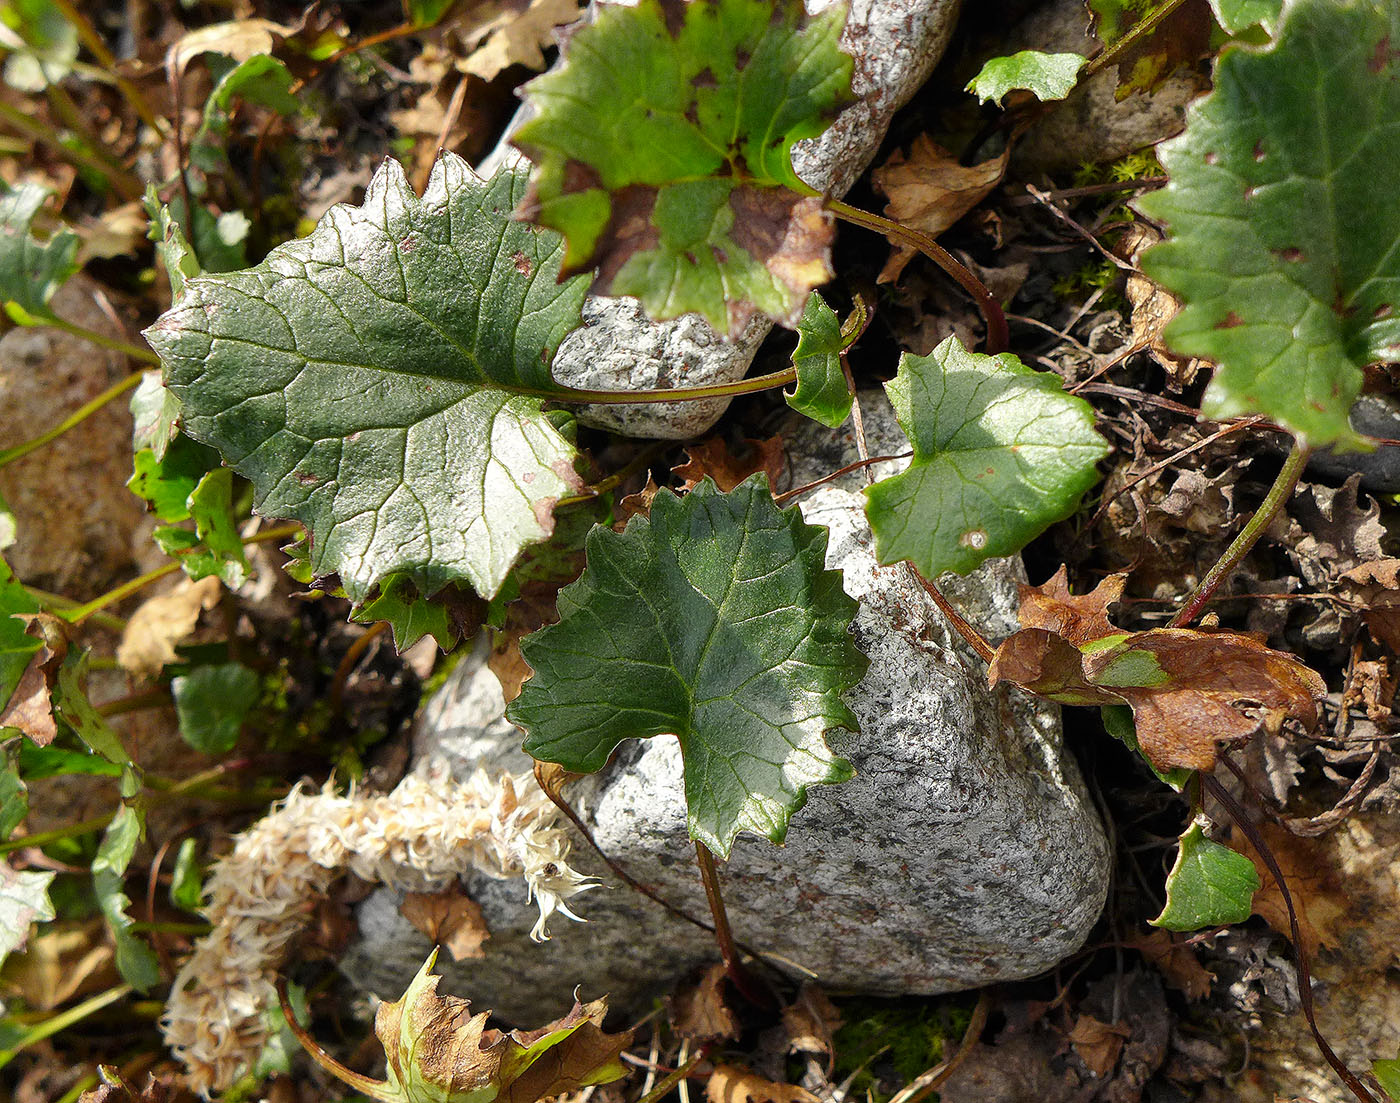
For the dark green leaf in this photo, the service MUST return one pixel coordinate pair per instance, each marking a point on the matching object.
(17, 646)
(40, 762)
(1209, 886)
(1280, 251)
(822, 392)
(716, 621)
(172, 248)
(369, 380)
(14, 795)
(135, 960)
(663, 147)
(1045, 76)
(211, 507)
(260, 79)
(71, 705)
(211, 702)
(409, 615)
(31, 271)
(1000, 453)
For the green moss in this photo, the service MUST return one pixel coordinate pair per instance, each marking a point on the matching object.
(913, 1035)
(1099, 275)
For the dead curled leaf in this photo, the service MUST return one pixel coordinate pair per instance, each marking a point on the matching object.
(811, 1022)
(149, 640)
(1098, 1044)
(929, 190)
(701, 1013)
(1189, 689)
(1313, 882)
(1176, 960)
(713, 458)
(435, 1048)
(30, 707)
(732, 1084)
(452, 919)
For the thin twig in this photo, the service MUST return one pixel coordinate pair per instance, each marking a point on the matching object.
(787, 495)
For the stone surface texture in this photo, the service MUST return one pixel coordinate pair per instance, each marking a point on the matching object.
(965, 851)
(77, 523)
(896, 44)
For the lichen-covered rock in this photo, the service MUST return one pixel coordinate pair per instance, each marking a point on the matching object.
(965, 851)
(896, 44)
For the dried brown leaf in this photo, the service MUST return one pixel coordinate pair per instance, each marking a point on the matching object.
(811, 1023)
(701, 1013)
(512, 33)
(1078, 619)
(451, 919)
(929, 190)
(30, 709)
(1312, 880)
(1177, 962)
(1152, 307)
(728, 469)
(732, 1084)
(1098, 1044)
(149, 640)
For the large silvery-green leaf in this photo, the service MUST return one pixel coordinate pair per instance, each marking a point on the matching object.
(714, 621)
(663, 147)
(1000, 453)
(378, 380)
(1285, 246)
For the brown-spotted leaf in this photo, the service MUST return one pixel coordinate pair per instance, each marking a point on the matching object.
(1189, 690)
(437, 1051)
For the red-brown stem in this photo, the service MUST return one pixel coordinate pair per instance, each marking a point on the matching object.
(724, 937)
(974, 638)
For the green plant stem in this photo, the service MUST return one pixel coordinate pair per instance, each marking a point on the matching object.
(125, 185)
(58, 834)
(724, 936)
(63, 1020)
(671, 1079)
(1268, 509)
(77, 417)
(998, 336)
(93, 41)
(1144, 28)
(136, 352)
(51, 602)
(136, 702)
(76, 1092)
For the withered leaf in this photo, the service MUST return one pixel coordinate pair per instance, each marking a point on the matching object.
(929, 190)
(1312, 880)
(1078, 618)
(712, 457)
(149, 639)
(1098, 1044)
(437, 1050)
(1177, 962)
(30, 708)
(810, 1023)
(701, 1013)
(452, 919)
(1189, 689)
(732, 1084)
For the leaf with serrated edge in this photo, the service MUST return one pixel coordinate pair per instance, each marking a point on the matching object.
(714, 621)
(822, 392)
(664, 151)
(1284, 259)
(211, 702)
(1237, 16)
(1045, 76)
(24, 899)
(378, 380)
(1000, 454)
(1209, 886)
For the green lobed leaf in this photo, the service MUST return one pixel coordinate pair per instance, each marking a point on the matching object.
(17, 646)
(211, 702)
(166, 483)
(187, 878)
(715, 621)
(1281, 250)
(24, 899)
(154, 413)
(368, 380)
(409, 615)
(40, 762)
(1000, 453)
(822, 392)
(171, 246)
(1209, 886)
(135, 960)
(663, 146)
(31, 272)
(1045, 76)
(44, 48)
(1238, 16)
(260, 79)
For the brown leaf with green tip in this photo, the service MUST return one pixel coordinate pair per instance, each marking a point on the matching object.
(437, 1050)
(1189, 690)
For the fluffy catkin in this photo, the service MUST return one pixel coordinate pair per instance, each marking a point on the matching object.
(427, 832)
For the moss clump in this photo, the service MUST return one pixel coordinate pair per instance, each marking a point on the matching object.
(887, 1043)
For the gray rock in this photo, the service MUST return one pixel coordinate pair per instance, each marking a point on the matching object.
(965, 851)
(896, 44)
(1376, 416)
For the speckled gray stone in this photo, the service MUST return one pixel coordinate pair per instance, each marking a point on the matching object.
(896, 44)
(965, 851)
